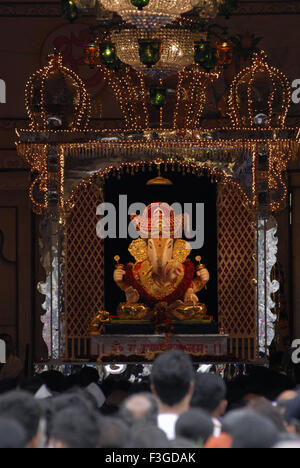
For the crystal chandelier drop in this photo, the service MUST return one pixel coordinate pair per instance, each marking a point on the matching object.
(207, 8)
(148, 14)
(84, 5)
(156, 55)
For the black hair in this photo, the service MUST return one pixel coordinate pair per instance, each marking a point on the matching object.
(22, 407)
(171, 376)
(250, 429)
(147, 436)
(54, 380)
(12, 434)
(113, 433)
(292, 414)
(209, 392)
(265, 408)
(181, 443)
(8, 385)
(76, 428)
(75, 398)
(31, 384)
(88, 375)
(195, 425)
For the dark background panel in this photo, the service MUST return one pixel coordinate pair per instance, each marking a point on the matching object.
(187, 189)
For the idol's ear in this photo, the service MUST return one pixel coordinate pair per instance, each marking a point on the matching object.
(181, 250)
(139, 250)
(134, 220)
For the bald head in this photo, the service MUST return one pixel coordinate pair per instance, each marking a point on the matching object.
(287, 395)
(139, 406)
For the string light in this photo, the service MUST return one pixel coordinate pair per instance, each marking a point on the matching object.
(127, 168)
(246, 80)
(198, 150)
(195, 83)
(41, 118)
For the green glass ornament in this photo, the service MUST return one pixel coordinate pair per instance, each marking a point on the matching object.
(205, 55)
(201, 48)
(69, 10)
(149, 51)
(158, 96)
(140, 4)
(108, 55)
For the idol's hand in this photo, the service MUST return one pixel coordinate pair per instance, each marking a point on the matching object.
(119, 275)
(132, 295)
(173, 270)
(203, 275)
(190, 297)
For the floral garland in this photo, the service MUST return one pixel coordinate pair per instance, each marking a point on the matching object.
(184, 285)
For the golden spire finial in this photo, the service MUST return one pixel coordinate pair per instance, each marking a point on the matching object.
(159, 180)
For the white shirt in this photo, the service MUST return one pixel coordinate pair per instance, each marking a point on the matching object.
(167, 422)
(217, 427)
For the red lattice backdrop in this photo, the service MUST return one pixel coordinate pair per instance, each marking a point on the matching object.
(236, 271)
(84, 271)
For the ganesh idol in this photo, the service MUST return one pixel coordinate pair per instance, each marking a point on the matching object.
(162, 272)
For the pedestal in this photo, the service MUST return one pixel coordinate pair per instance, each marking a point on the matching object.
(122, 348)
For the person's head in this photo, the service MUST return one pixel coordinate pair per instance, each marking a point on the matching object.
(265, 408)
(75, 428)
(249, 429)
(181, 443)
(23, 408)
(76, 398)
(195, 425)
(88, 375)
(210, 394)
(32, 384)
(8, 385)
(54, 380)
(113, 433)
(147, 436)
(172, 379)
(287, 395)
(142, 406)
(292, 415)
(12, 434)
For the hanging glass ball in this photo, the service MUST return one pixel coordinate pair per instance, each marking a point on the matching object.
(140, 4)
(200, 51)
(69, 10)
(149, 51)
(205, 55)
(108, 54)
(158, 96)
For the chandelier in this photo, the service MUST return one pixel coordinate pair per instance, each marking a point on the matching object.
(207, 8)
(156, 55)
(85, 4)
(148, 14)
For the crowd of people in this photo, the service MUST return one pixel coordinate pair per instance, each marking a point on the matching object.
(174, 407)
